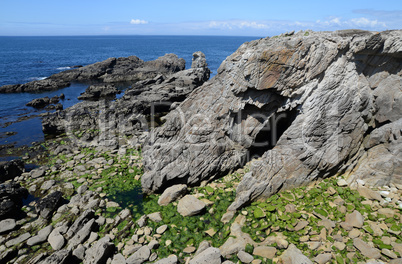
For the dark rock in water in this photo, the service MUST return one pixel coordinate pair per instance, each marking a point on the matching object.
(54, 99)
(62, 96)
(97, 91)
(11, 169)
(11, 196)
(312, 106)
(59, 106)
(48, 204)
(130, 69)
(36, 86)
(128, 115)
(39, 102)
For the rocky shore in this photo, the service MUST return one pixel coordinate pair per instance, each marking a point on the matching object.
(80, 218)
(290, 154)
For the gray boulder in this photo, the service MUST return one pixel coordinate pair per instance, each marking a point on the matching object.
(190, 205)
(59, 257)
(100, 251)
(140, 256)
(306, 105)
(7, 225)
(210, 255)
(172, 193)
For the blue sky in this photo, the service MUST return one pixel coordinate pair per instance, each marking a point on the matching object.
(156, 17)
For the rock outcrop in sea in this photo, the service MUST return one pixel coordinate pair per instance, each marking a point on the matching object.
(112, 70)
(307, 105)
(104, 121)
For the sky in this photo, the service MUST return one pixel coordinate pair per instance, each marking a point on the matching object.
(206, 17)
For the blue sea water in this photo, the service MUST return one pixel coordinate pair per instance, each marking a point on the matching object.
(24, 59)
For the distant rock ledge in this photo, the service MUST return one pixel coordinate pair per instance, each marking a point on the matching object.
(112, 70)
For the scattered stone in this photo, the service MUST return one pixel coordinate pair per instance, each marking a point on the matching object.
(265, 252)
(160, 230)
(56, 240)
(202, 246)
(36, 173)
(7, 225)
(323, 258)
(79, 252)
(365, 249)
(342, 183)
(59, 257)
(245, 257)
(47, 185)
(172, 193)
(388, 212)
(369, 194)
(169, 260)
(389, 253)
(354, 233)
(228, 216)
(354, 219)
(142, 221)
(156, 217)
(300, 225)
(189, 206)
(211, 232)
(82, 234)
(294, 255)
(210, 255)
(41, 237)
(140, 256)
(189, 250)
(339, 245)
(100, 251)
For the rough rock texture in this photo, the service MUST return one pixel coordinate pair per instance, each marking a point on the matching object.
(11, 169)
(312, 106)
(48, 204)
(11, 195)
(100, 251)
(129, 116)
(39, 102)
(94, 92)
(130, 69)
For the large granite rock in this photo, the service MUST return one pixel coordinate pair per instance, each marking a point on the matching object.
(11, 196)
(312, 106)
(102, 121)
(11, 169)
(130, 69)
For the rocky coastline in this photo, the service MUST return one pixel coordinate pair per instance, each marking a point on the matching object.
(177, 170)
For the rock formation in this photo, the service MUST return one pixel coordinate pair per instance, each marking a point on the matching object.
(130, 69)
(102, 121)
(313, 105)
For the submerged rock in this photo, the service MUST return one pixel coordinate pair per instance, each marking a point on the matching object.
(312, 106)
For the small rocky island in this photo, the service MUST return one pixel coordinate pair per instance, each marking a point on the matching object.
(292, 153)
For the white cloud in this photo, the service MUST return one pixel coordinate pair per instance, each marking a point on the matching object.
(138, 22)
(237, 24)
(362, 22)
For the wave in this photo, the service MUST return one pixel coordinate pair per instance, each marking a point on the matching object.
(36, 78)
(63, 68)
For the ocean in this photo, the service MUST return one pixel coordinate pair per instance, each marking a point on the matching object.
(24, 59)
